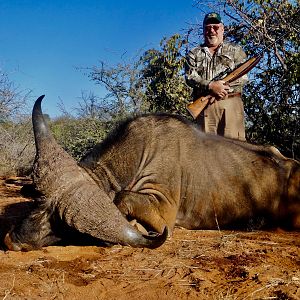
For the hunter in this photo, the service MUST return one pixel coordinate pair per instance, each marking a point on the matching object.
(204, 64)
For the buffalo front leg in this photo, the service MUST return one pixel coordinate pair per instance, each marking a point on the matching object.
(142, 207)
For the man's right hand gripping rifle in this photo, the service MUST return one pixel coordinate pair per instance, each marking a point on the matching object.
(220, 86)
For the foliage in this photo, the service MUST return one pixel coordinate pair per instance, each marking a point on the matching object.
(78, 135)
(154, 82)
(163, 78)
(125, 93)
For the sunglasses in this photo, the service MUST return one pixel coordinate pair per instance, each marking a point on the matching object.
(215, 27)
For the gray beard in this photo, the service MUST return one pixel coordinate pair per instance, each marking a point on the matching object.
(213, 41)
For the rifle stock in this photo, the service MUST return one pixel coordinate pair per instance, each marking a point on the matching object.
(196, 107)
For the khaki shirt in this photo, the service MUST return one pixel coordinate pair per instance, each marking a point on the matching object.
(202, 67)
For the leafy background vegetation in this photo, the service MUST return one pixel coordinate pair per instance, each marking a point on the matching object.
(154, 82)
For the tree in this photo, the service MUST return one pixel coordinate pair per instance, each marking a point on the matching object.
(16, 140)
(12, 101)
(90, 107)
(163, 77)
(154, 82)
(125, 93)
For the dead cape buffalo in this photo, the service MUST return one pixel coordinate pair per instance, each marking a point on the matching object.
(162, 171)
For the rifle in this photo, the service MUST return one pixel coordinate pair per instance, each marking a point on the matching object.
(199, 104)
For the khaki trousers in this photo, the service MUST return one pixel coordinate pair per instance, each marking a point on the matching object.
(224, 117)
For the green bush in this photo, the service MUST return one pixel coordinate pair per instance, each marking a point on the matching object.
(78, 136)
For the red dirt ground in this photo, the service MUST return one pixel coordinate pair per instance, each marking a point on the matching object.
(190, 265)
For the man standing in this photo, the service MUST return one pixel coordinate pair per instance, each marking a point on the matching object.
(224, 115)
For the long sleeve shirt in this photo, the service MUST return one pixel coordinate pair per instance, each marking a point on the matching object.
(202, 67)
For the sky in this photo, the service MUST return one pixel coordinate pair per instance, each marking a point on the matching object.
(43, 44)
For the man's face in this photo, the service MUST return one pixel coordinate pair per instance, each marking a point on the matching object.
(213, 34)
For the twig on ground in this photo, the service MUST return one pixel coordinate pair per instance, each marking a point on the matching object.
(7, 292)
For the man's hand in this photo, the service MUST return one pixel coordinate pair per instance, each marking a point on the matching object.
(219, 88)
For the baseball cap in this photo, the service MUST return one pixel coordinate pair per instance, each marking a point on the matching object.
(212, 18)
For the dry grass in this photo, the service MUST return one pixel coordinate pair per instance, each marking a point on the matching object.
(17, 149)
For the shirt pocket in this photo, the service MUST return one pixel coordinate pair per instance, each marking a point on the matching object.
(227, 61)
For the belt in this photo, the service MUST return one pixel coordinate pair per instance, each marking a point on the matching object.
(233, 95)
